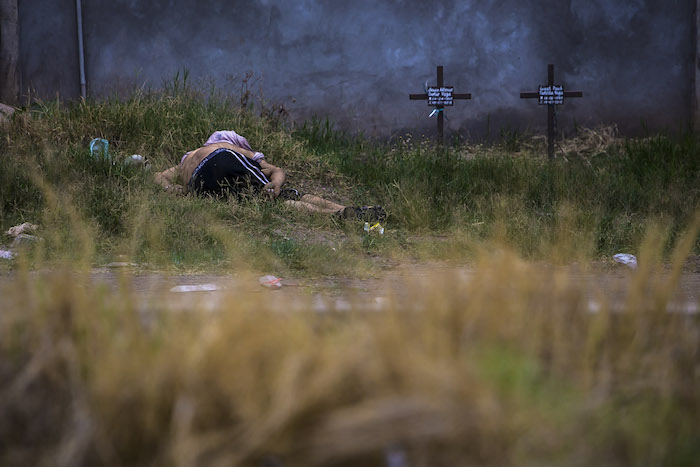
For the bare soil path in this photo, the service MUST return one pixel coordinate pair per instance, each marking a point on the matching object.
(154, 291)
(601, 284)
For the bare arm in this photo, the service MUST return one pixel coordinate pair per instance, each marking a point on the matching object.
(166, 179)
(276, 176)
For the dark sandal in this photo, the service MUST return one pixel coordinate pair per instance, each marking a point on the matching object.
(363, 213)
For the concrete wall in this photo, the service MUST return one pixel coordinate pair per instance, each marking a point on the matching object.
(356, 62)
(48, 48)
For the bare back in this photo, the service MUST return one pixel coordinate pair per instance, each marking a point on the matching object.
(192, 160)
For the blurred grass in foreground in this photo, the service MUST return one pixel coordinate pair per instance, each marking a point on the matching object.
(507, 368)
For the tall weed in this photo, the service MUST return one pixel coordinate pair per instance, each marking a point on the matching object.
(458, 191)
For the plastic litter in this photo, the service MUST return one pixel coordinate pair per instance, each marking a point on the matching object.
(99, 148)
(626, 259)
(20, 239)
(7, 254)
(196, 288)
(20, 229)
(271, 282)
(23, 239)
(374, 228)
(137, 159)
(6, 112)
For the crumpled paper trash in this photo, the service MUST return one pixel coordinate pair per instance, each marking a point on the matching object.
(626, 259)
(271, 282)
(25, 228)
(22, 237)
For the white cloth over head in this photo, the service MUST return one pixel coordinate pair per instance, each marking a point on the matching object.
(230, 136)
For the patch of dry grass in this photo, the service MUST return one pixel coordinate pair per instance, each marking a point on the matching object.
(591, 142)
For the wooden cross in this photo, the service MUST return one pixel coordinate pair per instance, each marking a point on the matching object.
(551, 96)
(439, 97)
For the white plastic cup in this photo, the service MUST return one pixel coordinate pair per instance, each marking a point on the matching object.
(137, 159)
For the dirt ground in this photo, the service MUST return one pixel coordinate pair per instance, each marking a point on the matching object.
(603, 283)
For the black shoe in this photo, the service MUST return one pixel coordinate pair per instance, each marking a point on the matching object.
(348, 212)
(372, 213)
(363, 213)
(289, 194)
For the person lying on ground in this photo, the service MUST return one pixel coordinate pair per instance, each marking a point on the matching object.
(226, 164)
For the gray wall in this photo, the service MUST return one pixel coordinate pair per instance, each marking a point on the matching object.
(356, 62)
(48, 49)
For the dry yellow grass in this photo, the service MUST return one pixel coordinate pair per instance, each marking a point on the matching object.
(508, 368)
(590, 142)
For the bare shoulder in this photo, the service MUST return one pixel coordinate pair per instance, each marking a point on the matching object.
(189, 163)
(193, 159)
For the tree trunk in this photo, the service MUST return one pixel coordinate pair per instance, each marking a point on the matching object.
(9, 52)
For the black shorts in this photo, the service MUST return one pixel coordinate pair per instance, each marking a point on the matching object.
(226, 171)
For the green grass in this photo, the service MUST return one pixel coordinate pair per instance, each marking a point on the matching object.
(461, 194)
(612, 196)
